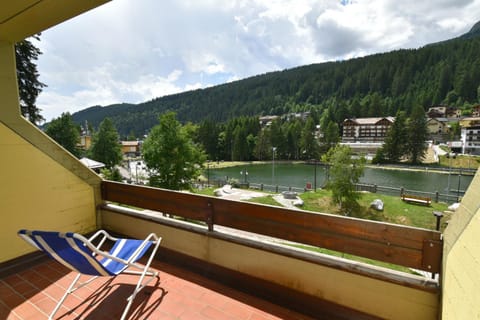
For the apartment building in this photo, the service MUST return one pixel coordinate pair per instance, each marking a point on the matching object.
(366, 129)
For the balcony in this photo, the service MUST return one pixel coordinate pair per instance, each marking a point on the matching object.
(233, 259)
(208, 270)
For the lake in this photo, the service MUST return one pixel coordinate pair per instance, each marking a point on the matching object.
(298, 175)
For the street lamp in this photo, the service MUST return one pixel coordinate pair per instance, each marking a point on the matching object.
(208, 173)
(244, 173)
(273, 165)
(449, 172)
(327, 173)
(458, 187)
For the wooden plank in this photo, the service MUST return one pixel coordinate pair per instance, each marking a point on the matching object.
(433, 250)
(165, 201)
(384, 242)
(226, 211)
(375, 240)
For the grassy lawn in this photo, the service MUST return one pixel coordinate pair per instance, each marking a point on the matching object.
(460, 161)
(268, 200)
(205, 191)
(395, 210)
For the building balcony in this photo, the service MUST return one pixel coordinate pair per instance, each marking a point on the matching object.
(235, 260)
(215, 261)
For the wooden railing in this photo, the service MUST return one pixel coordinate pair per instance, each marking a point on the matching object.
(401, 245)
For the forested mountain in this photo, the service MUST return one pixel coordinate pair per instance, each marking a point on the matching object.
(474, 32)
(377, 85)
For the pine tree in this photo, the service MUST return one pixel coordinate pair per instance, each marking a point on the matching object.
(417, 134)
(309, 144)
(331, 136)
(396, 139)
(29, 86)
(277, 138)
(293, 136)
(240, 144)
(208, 132)
(106, 145)
(263, 146)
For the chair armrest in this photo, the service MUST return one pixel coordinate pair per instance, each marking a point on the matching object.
(104, 236)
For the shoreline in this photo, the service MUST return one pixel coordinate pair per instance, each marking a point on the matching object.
(426, 168)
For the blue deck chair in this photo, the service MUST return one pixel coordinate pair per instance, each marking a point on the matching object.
(81, 255)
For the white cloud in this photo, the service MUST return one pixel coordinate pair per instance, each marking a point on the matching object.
(132, 51)
(151, 86)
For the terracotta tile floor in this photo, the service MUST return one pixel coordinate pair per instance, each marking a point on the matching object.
(179, 294)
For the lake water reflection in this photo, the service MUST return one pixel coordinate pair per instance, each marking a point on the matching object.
(298, 175)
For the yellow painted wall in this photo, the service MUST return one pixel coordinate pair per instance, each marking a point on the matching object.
(380, 298)
(42, 186)
(461, 277)
(38, 193)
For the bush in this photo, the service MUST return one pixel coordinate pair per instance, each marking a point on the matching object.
(112, 174)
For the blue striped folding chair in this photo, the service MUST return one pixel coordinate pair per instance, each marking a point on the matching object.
(81, 255)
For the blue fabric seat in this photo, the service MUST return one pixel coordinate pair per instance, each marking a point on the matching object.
(81, 255)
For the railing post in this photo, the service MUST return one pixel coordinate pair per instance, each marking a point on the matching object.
(209, 218)
(261, 187)
(276, 188)
(436, 196)
(401, 191)
(374, 188)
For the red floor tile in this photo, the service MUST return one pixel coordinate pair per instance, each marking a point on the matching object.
(179, 295)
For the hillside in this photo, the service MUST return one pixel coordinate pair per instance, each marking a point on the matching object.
(474, 32)
(376, 85)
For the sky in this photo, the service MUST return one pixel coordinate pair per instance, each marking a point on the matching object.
(136, 50)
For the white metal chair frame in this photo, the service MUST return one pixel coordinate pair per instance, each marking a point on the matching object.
(102, 236)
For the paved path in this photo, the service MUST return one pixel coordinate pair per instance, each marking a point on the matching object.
(287, 203)
(227, 192)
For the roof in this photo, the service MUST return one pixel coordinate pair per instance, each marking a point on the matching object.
(130, 143)
(92, 164)
(471, 119)
(370, 120)
(21, 19)
(442, 120)
(438, 108)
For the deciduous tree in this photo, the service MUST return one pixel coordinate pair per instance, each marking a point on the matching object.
(171, 156)
(64, 131)
(345, 172)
